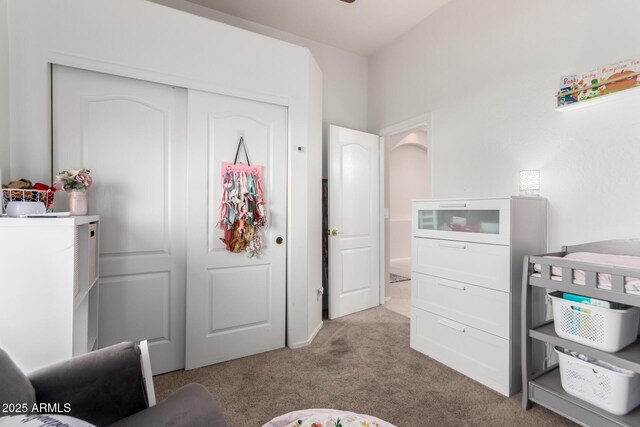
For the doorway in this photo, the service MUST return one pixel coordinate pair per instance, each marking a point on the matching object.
(406, 177)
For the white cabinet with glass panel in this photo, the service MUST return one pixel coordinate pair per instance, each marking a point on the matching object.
(466, 281)
(485, 221)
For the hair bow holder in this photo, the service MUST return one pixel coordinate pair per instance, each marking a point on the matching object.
(242, 213)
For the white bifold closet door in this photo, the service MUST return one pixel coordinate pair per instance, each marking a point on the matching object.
(235, 304)
(132, 135)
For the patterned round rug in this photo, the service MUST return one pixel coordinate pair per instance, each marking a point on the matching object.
(326, 418)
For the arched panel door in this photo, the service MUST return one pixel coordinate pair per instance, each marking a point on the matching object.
(354, 221)
(131, 134)
(235, 304)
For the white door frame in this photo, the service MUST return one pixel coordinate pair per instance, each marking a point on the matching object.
(422, 121)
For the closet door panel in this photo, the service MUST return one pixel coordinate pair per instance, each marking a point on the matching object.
(236, 304)
(126, 143)
(131, 134)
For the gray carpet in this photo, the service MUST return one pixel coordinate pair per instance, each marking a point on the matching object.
(360, 363)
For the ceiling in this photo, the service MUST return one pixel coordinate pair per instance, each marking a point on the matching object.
(362, 27)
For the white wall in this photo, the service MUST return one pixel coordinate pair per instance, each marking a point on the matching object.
(314, 208)
(4, 93)
(345, 74)
(489, 71)
(141, 39)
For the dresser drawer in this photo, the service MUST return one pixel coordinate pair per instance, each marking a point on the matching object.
(475, 263)
(479, 355)
(485, 309)
(482, 221)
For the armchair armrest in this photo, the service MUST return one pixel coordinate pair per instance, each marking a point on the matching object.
(190, 406)
(147, 374)
(100, 387)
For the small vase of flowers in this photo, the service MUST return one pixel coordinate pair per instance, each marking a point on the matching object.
(76, 182)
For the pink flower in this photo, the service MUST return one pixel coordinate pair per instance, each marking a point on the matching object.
(84, 179)
(58, 184)
(74, 179)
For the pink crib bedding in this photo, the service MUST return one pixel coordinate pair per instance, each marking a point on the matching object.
(632, 284)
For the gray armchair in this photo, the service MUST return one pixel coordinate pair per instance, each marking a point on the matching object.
(106, 388)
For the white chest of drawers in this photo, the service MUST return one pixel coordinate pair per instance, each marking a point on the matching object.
(466, 281)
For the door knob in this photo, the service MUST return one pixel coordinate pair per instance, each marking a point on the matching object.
(335, 232)
(279, 240)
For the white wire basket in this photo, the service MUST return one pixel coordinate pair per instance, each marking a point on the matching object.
(606, 329)
(616, 392)
(44, 196)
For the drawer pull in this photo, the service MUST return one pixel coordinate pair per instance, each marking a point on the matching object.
(453, 205)
(453, 245)
(451, 325)
(453, 286)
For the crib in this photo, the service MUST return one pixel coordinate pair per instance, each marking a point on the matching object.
(607, 271)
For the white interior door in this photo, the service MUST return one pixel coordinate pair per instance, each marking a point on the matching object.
(131, 134)
(354, 221)
(235, 304)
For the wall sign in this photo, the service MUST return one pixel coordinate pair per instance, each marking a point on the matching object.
(604, 80)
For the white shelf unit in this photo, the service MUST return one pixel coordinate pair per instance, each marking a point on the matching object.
(543, 386)
(466, 281)
(48, 288)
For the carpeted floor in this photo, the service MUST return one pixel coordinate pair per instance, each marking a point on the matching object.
(360, 363)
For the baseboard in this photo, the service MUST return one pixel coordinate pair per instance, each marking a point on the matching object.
(309, 341)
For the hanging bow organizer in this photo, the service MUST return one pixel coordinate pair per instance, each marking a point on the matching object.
(242, 207)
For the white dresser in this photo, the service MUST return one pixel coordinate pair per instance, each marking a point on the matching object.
(48, 288)
(467, 279)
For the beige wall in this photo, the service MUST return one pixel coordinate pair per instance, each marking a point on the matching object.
(394, 173)
(407, 175)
